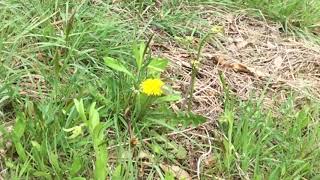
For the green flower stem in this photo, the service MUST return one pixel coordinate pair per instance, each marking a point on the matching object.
(194, 71)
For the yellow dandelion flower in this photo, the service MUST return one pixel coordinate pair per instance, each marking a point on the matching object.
(152, 87)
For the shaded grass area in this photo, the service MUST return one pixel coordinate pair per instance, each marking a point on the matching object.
(52, 53)
(303, 14)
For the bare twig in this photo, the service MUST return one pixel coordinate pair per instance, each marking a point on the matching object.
(204, 155)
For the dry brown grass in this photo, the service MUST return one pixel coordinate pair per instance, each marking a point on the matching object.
(253, 54)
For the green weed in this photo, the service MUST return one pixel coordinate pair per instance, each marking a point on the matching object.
(293, 13)
(260, 145)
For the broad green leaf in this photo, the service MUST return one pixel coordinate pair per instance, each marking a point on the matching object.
(275, 173)
(76, 165)
(169, 98)
(116, 65)
(80, 109)
(167, 90)
(181, 152)
(100, 151)
(42, 174)
(157, 65)
(169, 144)
(76, 131)
(169, 176)
(101, 171)
(156, 148)
(17, 134)
(98, 135)
(116, 175)
(303, 119)
(54, 160)
(316, 177)
(19, 126)
(78, 178)
(93, 116)
(178, 172)
(138, 51)
(188, 119)
(20, 149)
(36, 145)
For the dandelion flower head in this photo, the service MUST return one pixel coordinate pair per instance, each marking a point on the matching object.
(152, 87)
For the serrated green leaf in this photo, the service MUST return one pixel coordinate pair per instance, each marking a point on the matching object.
(181, 152)
(191, 119)
(168, 98)
(156, 148)
(157, 65)
(98, 135)
(116, 65)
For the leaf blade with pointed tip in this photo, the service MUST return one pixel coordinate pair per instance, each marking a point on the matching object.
(157, 65)
(116, 65)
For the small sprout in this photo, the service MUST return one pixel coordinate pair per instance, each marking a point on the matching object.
(217, 29)
(189, 39)
(195, 63)
(76, 131)
(134, 90)
(186, 40)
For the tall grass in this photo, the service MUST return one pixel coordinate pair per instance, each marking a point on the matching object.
(259, 144)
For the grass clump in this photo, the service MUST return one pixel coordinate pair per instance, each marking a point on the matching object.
(256, 143)
(263, 146)
(304, 14)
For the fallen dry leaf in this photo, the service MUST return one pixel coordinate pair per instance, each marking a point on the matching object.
(316, 30)
(242, 44)
(179, 173)
(144, 155)
(134, 141)
(278, 62)
(210, 161)
(237, 67)
(241, 68)
(271, 45)
(219, 60)
(8, 144)
(232, 47)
